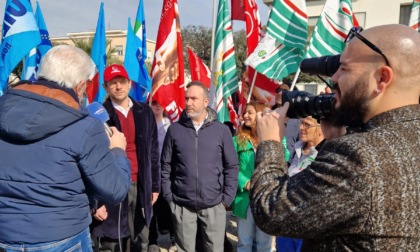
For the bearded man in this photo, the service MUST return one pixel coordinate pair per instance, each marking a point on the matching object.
(362, 191)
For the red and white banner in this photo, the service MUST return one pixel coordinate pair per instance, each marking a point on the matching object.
(264, 89)
(168, 65)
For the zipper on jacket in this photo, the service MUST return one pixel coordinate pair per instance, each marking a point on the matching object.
(196, 166)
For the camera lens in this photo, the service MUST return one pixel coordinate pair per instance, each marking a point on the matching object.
(303, 104)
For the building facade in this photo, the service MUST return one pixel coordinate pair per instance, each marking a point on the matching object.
(368, 12)
(117, 38)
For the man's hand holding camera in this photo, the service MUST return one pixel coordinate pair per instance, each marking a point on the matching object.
(271, 124)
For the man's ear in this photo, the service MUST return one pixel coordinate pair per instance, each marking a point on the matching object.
(80, 87)
(385, 78)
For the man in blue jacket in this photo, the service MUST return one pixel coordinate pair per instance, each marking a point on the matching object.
(54, 157)
(199, 172)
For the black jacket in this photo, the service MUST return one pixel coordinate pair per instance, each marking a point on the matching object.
(199, 169)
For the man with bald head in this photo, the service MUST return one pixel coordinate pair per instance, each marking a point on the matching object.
(362, 192)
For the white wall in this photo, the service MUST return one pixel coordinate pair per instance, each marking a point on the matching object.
(377, 12)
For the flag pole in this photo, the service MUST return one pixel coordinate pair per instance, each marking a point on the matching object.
(295, 79)
(213, 22)
(252, 87)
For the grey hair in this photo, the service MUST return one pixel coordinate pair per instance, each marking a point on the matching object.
(67, 65)
(200, 84)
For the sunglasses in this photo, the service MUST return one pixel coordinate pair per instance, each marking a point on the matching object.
(355, 32)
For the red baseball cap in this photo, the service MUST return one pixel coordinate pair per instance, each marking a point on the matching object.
(113, 71)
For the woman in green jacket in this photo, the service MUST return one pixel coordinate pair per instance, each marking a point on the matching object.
(250, 237)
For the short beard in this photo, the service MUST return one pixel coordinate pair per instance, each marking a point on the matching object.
(195, 114)
(354, 105)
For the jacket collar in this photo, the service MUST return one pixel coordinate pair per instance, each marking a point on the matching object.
(186, 121)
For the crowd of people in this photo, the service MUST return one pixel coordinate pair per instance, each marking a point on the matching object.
(68, 185)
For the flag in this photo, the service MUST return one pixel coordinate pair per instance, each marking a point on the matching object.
(19, 35)
(279, 53)
(253, 25)
(415, 16)
(96, 91)
(199, 71)
(168, 64)
(135, 66)
(33, 60)
(331, 29)
(238, 9)
(224, 76)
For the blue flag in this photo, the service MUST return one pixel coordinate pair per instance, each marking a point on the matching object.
(33, 60)
(98, 56)
(19, 35)
(143, 82)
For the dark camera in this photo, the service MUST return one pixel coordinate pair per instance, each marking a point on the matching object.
(303, 104)
(326, 65)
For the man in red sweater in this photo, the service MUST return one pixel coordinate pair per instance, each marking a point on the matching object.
(137, 122)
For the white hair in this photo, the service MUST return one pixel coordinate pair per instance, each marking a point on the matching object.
(67, 65)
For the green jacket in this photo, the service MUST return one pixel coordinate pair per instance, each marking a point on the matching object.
(246, 158)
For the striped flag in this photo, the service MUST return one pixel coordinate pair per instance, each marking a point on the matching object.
(331, 29)
(279, 53)
(224, 76)
(33, 59)
(19, 35)
(168, 64)
(96, 91)
(415, 16)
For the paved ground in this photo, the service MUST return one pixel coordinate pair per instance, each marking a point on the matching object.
(165, 243)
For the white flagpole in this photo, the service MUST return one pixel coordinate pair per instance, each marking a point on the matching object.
(252, 87)
(295, 79)
(212, 36)
(212, 102)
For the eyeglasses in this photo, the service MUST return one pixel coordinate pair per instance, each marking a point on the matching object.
(355, 32)
(306, 125)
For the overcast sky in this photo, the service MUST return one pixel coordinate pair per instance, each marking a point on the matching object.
(64, 16)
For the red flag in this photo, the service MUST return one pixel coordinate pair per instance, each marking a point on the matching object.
(199, 71)
(238, 10)
(168, 65)
(253, 25)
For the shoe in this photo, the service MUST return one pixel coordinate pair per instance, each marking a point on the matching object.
(153, 248)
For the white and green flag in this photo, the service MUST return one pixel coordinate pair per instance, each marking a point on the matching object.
(224, 81)
(279, 53)
(331, 29)
(415, 16)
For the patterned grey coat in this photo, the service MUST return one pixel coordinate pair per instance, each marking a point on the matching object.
(362, 193)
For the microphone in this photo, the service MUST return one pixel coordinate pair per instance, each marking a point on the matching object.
(96, 110)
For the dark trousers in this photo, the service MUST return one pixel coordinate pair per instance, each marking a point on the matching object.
(161, 221)
(136, 222)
